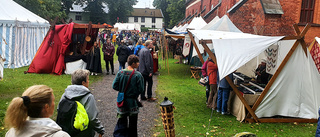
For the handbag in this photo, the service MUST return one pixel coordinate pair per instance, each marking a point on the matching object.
(203, 81)
(121, 95)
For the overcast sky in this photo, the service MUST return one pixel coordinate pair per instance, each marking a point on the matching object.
(144, 4)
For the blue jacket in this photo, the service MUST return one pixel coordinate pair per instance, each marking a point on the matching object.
(224, 83)
(137, 48)
(318, 127)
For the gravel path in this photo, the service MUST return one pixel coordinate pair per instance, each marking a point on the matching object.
(106, 102)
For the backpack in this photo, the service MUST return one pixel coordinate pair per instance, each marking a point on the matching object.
(72, 116)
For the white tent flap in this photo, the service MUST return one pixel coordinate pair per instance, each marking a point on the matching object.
(295, 91)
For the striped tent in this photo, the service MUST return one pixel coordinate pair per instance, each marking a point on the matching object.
(21, 34)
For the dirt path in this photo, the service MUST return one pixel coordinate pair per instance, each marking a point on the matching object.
(106, 102)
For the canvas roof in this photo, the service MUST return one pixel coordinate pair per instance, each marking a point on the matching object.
(11, 11)
(211, 23)
(224, 24)
(197, 23)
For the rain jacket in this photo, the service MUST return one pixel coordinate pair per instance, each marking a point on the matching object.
(89, 103)
(38, 127)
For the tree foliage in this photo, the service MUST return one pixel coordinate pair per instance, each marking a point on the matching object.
(44, 8)
(173, 10)
(120, 9)
(95, 9)
(163, 5)
(176, 10)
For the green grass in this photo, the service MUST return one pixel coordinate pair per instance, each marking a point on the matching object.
(192, 116)
(15, 82)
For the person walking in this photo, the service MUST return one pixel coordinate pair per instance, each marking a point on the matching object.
(212, 69)
(122, 53)
(138, 48)
(94, 60)
(108, 51)
(79, 91)
(129, 82)
(146, 69)
(29, 115)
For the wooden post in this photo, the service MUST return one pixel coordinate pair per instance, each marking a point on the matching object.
(85, 42)
(196, 47)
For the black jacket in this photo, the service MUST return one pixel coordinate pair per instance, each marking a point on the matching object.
(122, 53)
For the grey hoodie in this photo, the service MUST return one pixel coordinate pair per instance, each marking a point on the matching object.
(38, 127)
(89, 103)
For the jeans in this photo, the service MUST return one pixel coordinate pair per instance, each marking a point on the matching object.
(148, 80)
(122, 65)
(123, 130)
(222, 101)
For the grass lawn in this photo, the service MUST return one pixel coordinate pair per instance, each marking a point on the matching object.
(192, 116)
(15, 83)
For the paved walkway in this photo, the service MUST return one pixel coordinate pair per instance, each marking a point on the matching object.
(106, 102)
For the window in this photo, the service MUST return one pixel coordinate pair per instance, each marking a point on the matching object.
(153, 20)
(78, 12)
(153, 26)
(142, 19)
(135, 19)
(78, 17)
(142, 26)
(307, 10)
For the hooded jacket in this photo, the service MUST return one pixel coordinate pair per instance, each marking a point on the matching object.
(38, 127)
(89, 103)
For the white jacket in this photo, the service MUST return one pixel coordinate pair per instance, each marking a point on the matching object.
(38, 127)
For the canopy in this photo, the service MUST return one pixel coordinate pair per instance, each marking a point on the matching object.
(211, 23)
(197, 23)
(127, 26)
(224, 24)
(234, 48)
(295, 92)
(21, 33)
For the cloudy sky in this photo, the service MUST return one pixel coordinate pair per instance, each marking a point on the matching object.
(144, 3)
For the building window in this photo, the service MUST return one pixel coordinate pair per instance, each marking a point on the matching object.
(78, 12)
(78, 17)
(142, 19)
(142, 26)
(153, 20)
(307, 10)
(135, 19)
(153, 26)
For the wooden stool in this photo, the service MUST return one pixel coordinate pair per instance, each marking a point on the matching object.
(195, 72)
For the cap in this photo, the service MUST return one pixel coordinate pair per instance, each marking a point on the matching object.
(263, 61)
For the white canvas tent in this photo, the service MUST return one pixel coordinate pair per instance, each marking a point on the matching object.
(196, 23)
(21, 34)
(223, 24)
(127, 26)
(291, 92)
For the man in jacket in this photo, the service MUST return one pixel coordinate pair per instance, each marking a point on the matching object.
(80, 92)
(146, 69)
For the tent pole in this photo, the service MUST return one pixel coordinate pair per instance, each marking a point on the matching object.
(283, 63)
(230, 82)
(196, 47)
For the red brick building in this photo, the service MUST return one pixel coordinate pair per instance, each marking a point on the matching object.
(263, 17)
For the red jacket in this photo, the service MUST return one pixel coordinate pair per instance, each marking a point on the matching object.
(212, 69)
(108, 49)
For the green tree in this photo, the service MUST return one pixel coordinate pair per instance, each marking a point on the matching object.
(44, 8)
(96, 11)
(163, 5)
(120, 9)
(176, 10)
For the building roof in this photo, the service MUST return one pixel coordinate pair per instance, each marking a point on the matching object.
(146, 12)
(79, 8)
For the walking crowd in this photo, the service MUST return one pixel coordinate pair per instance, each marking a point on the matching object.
(29, 115)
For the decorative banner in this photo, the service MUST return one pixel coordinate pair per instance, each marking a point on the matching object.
(186, 46)
(272, 56)
(315, 53)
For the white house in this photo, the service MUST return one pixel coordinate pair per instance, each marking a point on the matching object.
(151, 18)
(78, 15)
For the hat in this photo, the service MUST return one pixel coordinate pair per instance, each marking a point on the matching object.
(263, 61)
